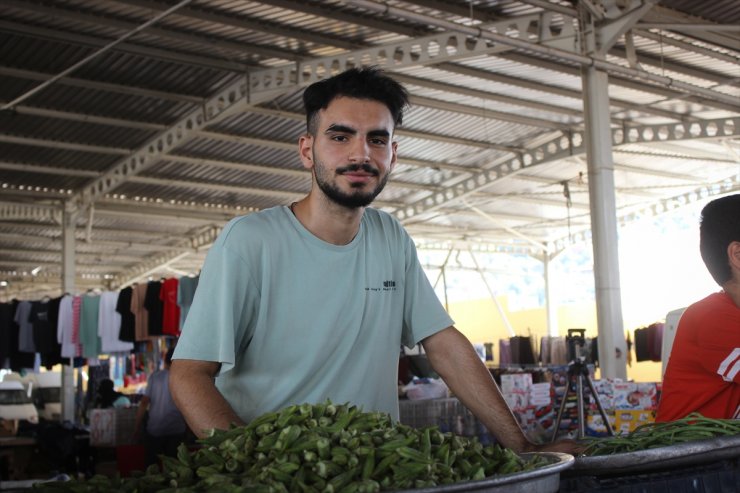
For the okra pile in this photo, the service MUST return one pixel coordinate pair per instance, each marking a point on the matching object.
(316, 448)
(653, 435)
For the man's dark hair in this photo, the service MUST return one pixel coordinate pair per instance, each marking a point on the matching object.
(720, 226)
(360, 83)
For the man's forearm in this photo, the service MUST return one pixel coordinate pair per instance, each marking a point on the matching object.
(454, 359)
(199, 401)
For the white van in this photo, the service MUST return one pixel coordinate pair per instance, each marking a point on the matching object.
(45, 389)
(16, 404)
(47, 395)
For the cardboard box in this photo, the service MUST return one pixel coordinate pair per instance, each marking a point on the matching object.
(636, 396)
(626, 420)
(112, 427)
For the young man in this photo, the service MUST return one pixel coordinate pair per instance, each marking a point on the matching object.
(308, 302)
(703, 372)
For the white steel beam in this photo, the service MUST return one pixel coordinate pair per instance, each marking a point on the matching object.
(567, 146)
(544, 51)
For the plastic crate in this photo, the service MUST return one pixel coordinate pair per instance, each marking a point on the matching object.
(448, 414)
(718, 477)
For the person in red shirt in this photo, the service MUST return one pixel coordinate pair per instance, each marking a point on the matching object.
(703, 370)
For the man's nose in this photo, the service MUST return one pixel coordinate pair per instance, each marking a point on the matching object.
(359, 152)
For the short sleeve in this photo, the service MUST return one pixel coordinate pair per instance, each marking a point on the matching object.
(221, 319)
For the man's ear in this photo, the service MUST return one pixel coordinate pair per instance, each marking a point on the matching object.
(733, 255)
(394, 155)
(305, 150)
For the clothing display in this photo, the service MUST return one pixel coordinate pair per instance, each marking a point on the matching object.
(270, 291)
(703, 370)
(50, 331)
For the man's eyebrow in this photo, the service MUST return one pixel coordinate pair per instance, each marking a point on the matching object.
(379, 133)
(338, 127)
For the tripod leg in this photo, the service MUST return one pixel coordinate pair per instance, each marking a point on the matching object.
(608, 425)
(581, 407)
(562, 409)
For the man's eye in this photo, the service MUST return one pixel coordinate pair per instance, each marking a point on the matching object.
(378, 142)
(339, 138)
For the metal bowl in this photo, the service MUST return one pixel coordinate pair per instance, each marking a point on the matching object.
(545, 479)
(682, 454)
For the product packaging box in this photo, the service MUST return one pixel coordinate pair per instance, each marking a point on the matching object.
(626, 420)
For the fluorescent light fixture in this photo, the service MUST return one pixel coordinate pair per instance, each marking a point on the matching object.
(35, 270)
(3, 284)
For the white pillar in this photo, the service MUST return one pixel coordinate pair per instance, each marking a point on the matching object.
(69, 274)
(602, 200)
(550, 306)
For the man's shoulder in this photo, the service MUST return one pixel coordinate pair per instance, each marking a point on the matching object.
(244, 227)
(712, 304)
(377, 219)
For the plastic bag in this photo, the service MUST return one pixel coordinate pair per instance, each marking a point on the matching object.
(426, 388)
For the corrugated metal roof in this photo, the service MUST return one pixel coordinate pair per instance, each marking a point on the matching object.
(475, 118)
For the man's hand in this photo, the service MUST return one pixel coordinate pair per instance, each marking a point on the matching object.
(195, 394)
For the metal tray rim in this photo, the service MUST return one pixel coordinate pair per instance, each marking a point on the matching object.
(560, 462)
(699, 451)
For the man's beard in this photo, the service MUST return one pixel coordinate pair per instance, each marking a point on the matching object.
(353, 199)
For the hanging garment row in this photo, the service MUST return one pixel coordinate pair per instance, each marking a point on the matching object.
(45, 332)
(553, 351)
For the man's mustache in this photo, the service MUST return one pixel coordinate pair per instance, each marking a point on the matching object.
(352, 168)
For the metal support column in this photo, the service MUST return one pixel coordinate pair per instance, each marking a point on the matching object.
(602, 201)
(69, 274)
(550, 306)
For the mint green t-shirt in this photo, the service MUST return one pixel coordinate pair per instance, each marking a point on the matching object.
(294, 319)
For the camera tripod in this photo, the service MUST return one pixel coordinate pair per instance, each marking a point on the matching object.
(578, 371)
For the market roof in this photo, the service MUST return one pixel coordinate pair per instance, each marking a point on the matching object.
(158, 121)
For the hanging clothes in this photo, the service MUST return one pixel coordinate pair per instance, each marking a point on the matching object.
(65, 321)
(10, 330)
(154, 305)
(44, 317)
(521, 350)
(558, 351)
(642, 350)
(141, 316)
(185, 294)
(109, 325)
(89, 337)
(170, 308)
(25, 327)
(7, 313)
(504, 352)
(128, 319)
(655, 341)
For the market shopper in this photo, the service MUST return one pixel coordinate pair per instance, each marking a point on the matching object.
(107, 396)
(703, 371)
(309, 302)
(158, 420)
